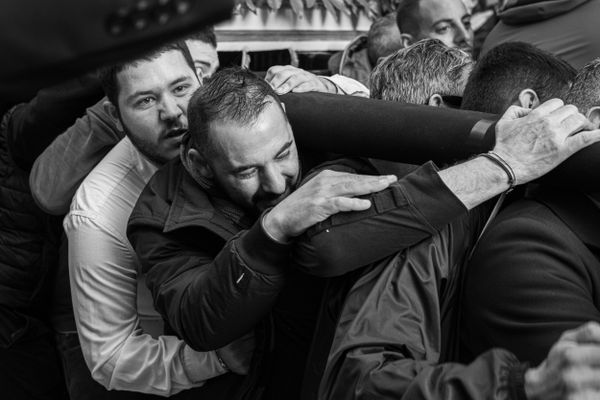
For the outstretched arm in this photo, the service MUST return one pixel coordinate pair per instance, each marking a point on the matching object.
(424, 201)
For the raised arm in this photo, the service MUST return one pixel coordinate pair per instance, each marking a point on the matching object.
(58, 171)
(425, 201)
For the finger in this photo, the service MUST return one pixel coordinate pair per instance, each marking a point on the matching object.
(584, 395)
(547, 107)
(274, 70)
(581, 355)
(295, 80)
(359, 185)
(304, 87)
(345, 204)
(278, 79)
(581, 140)
(581, 378)
(515, 112)
(586, 333)
(563, 112)
(573, 124)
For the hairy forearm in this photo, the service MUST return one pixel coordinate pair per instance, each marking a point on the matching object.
(475, 181)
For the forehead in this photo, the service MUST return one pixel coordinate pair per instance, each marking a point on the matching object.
(201, 51)
(237, 145)
(432, 11)
(155, 73)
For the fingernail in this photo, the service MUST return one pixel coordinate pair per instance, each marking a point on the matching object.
(391, 178)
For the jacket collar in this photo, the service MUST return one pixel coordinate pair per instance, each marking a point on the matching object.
(198, 203)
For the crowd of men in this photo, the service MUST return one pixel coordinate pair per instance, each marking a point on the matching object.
(165, 236)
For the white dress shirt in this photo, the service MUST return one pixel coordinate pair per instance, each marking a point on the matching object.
(119, 329)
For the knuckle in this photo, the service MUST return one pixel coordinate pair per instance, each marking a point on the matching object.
(570, 380)
(569, 356)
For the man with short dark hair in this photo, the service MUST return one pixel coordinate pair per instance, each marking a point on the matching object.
(213, 230)
(536, 272)
(203, 49)
(59, 170)
(516, 73)
(446, 20)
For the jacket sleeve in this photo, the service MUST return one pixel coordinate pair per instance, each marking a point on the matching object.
(389, 338)
(118, 352)
(412, 209)
(209, 291)
(58, 171)
(35, 124)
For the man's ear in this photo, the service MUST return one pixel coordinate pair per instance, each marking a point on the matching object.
(407, 39)
(593, 115)
(111, 110)
(435, 100)
(200, 163)
(528, 98)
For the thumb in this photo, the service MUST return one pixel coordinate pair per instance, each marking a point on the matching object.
(515, 112)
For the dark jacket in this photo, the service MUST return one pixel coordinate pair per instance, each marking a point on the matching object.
(30, 238)
(353, 61)
(535, 274)
(395, 325)
(566, 28)
(215, 275)
(517, 12)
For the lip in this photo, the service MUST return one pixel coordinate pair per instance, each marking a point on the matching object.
(176, 133)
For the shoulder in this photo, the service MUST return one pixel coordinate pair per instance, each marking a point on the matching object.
(112, 180)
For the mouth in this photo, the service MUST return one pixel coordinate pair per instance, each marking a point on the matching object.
(176, 133)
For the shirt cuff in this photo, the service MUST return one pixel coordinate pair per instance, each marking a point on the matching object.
(201, 366)
(348, 86)
(261, 253)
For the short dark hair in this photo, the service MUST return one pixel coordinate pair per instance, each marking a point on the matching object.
(232, 94)
(206, 35)
(509, 68)
(108, 75)
(407, 16)
(419, 71)
(585, 92)
(383, 38)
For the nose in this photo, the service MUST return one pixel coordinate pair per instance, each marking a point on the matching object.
(170, 108)
(464, 34)
(273, 180)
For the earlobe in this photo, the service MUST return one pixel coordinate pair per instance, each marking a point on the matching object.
(200, 163)
(435, 100)
(594, 116)
(528, 98)
(407, 39)
(111, 110)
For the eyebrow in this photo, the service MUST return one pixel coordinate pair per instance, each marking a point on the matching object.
(139, 93)
(245, 167)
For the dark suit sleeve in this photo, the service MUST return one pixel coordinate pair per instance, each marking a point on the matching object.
(209, 292)
(412, 209)
(526, 284)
